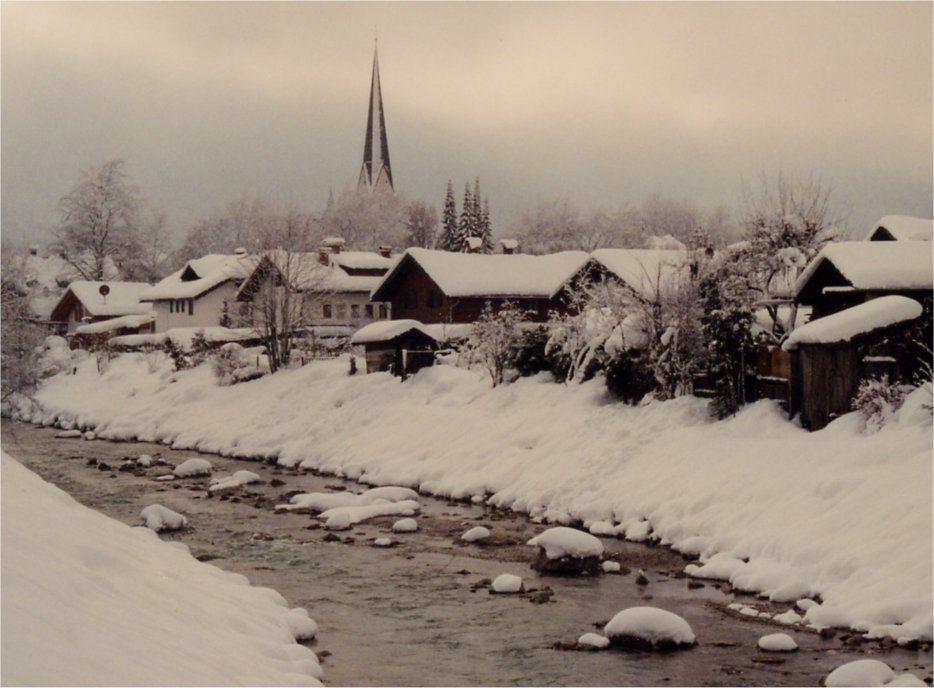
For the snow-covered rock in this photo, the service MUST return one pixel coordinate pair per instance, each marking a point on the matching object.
(862, 672)
(906, 679)
(68, 434)
(95, 602)
(342, 517)
(788, 618)
(611, 567)
(232, 482)
(476, 534)
(303, 627)
(805, 604)
(158, 518)
(193, 468)
(382, 542)
(144, 460)
(649, 627)
(593, 640)
(565, 550)
(507, 583)
(324, 501)
(90, 435)
(777, 642)
(405, 525)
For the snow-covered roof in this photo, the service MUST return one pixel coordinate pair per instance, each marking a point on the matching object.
(200, 275)
(481, 275)
(122, 299)
(307, 273)
(119, 323)
(645, 270)
(363, 260)
(385, 330)
(905, 228)
(862, 319)
(876, 265)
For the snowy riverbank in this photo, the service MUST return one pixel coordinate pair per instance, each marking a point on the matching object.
(88, 600)
(836, 513)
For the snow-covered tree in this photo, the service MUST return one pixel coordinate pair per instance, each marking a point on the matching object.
(235, 226)
(487, 232)
(366, 220)
(466, 226)
(154, 256)
(20, 336)
(100, 220)
(421, 225)
(449, 240)
(494, 339)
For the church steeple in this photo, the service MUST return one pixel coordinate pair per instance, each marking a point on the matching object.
(376, 172)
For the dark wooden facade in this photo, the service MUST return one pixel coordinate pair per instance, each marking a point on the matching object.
(404, 354)
(415, 295)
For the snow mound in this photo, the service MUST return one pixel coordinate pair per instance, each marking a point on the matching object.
(567, 542)
(777, 642)
(342, 517)
(92, 590)
(389, 493)
(405, 525)
(324, 501)
(906, 680)
(90, 435)
(477, 534)
(649, 627)
(144, 460)
(611, 567)
(303, 627)
(593, 640)
(862, 672)
(788, 618)
(382, 542)
(68, 434)
(507, 583)
(193, 468)
(158, 518)
(234, 481)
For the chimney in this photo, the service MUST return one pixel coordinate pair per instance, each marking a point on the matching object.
(34, 250)
(385, 251)
(474, 244)
(334, 243)
(240, 252)
(324, 255)
(509, 246)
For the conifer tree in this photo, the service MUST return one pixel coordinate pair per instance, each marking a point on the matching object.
(486, 232)
(449, 230)
(466, 227)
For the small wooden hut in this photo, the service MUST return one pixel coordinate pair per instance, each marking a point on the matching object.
(831, 355)
(400, 347)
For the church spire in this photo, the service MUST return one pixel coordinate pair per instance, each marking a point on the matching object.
(376, 172)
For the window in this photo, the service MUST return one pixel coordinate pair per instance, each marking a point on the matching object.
(342, 311)
(383, 311)
(326, 310)
(355, 311)
(171, 306)
(191, 306)
(368, 310)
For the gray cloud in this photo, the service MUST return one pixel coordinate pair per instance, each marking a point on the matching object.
(599, 103)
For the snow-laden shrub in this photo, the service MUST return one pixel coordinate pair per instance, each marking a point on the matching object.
(199, 349)
(180, 358)
(55, 356)
(232, 364)
(494, 340)
(530, 357)
(878, 399)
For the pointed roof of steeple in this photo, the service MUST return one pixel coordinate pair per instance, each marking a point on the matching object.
(376, 171)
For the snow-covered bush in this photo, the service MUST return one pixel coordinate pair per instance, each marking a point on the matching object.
(530, 357)
(494, 339)
(199, 348)
(878, 399)
(180, 358)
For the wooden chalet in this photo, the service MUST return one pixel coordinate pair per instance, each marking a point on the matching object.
(400, 347)
(443, 287)
(902, 228)
(90, 302)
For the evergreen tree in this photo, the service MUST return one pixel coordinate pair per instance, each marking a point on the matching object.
(486, 230)
(466, 226)
(449, 230)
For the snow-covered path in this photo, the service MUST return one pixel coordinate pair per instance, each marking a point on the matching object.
(394, 616)
(90, 601)
(834, 513)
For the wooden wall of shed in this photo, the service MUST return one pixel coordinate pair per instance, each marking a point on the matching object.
(824, 381)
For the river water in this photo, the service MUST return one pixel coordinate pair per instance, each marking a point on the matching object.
(409, 615)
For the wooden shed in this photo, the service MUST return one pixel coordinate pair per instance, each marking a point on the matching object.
(830, 356)
(400, 347)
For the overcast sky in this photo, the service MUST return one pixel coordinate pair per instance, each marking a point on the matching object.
(598, 103)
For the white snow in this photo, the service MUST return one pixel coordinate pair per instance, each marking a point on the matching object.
(650, 624)
(862, 672)
(906, 679)
(875, 265)
(342, 517)
(95, 602)
(382, 542)
(567, 542)
(905, 228)
(648, 272)
(777, 503)
(231, 482)
(777, 642)
(122, 299)
(804, 604)
(478, 274)
(593, 640)
(611, 567)
(476, 534)
(323, 501)
(111, 324)
(158, 517)
(788, 618)
(507, 583)
(144, 460)
(303, 627)
(846, 324)
(193, 468)
(385, 330)
(206, 272)
(68, 434)
(405, 525)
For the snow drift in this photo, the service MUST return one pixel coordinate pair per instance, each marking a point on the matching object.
(844, 515)
(88, 600)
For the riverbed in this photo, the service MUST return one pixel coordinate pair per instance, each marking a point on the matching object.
(415, 613)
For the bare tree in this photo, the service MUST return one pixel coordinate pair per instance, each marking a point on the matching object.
(152, 260)
(236, 226)
(366, 219)
(494, 338)
(421, 225)
(99, 221)
(21, 336)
